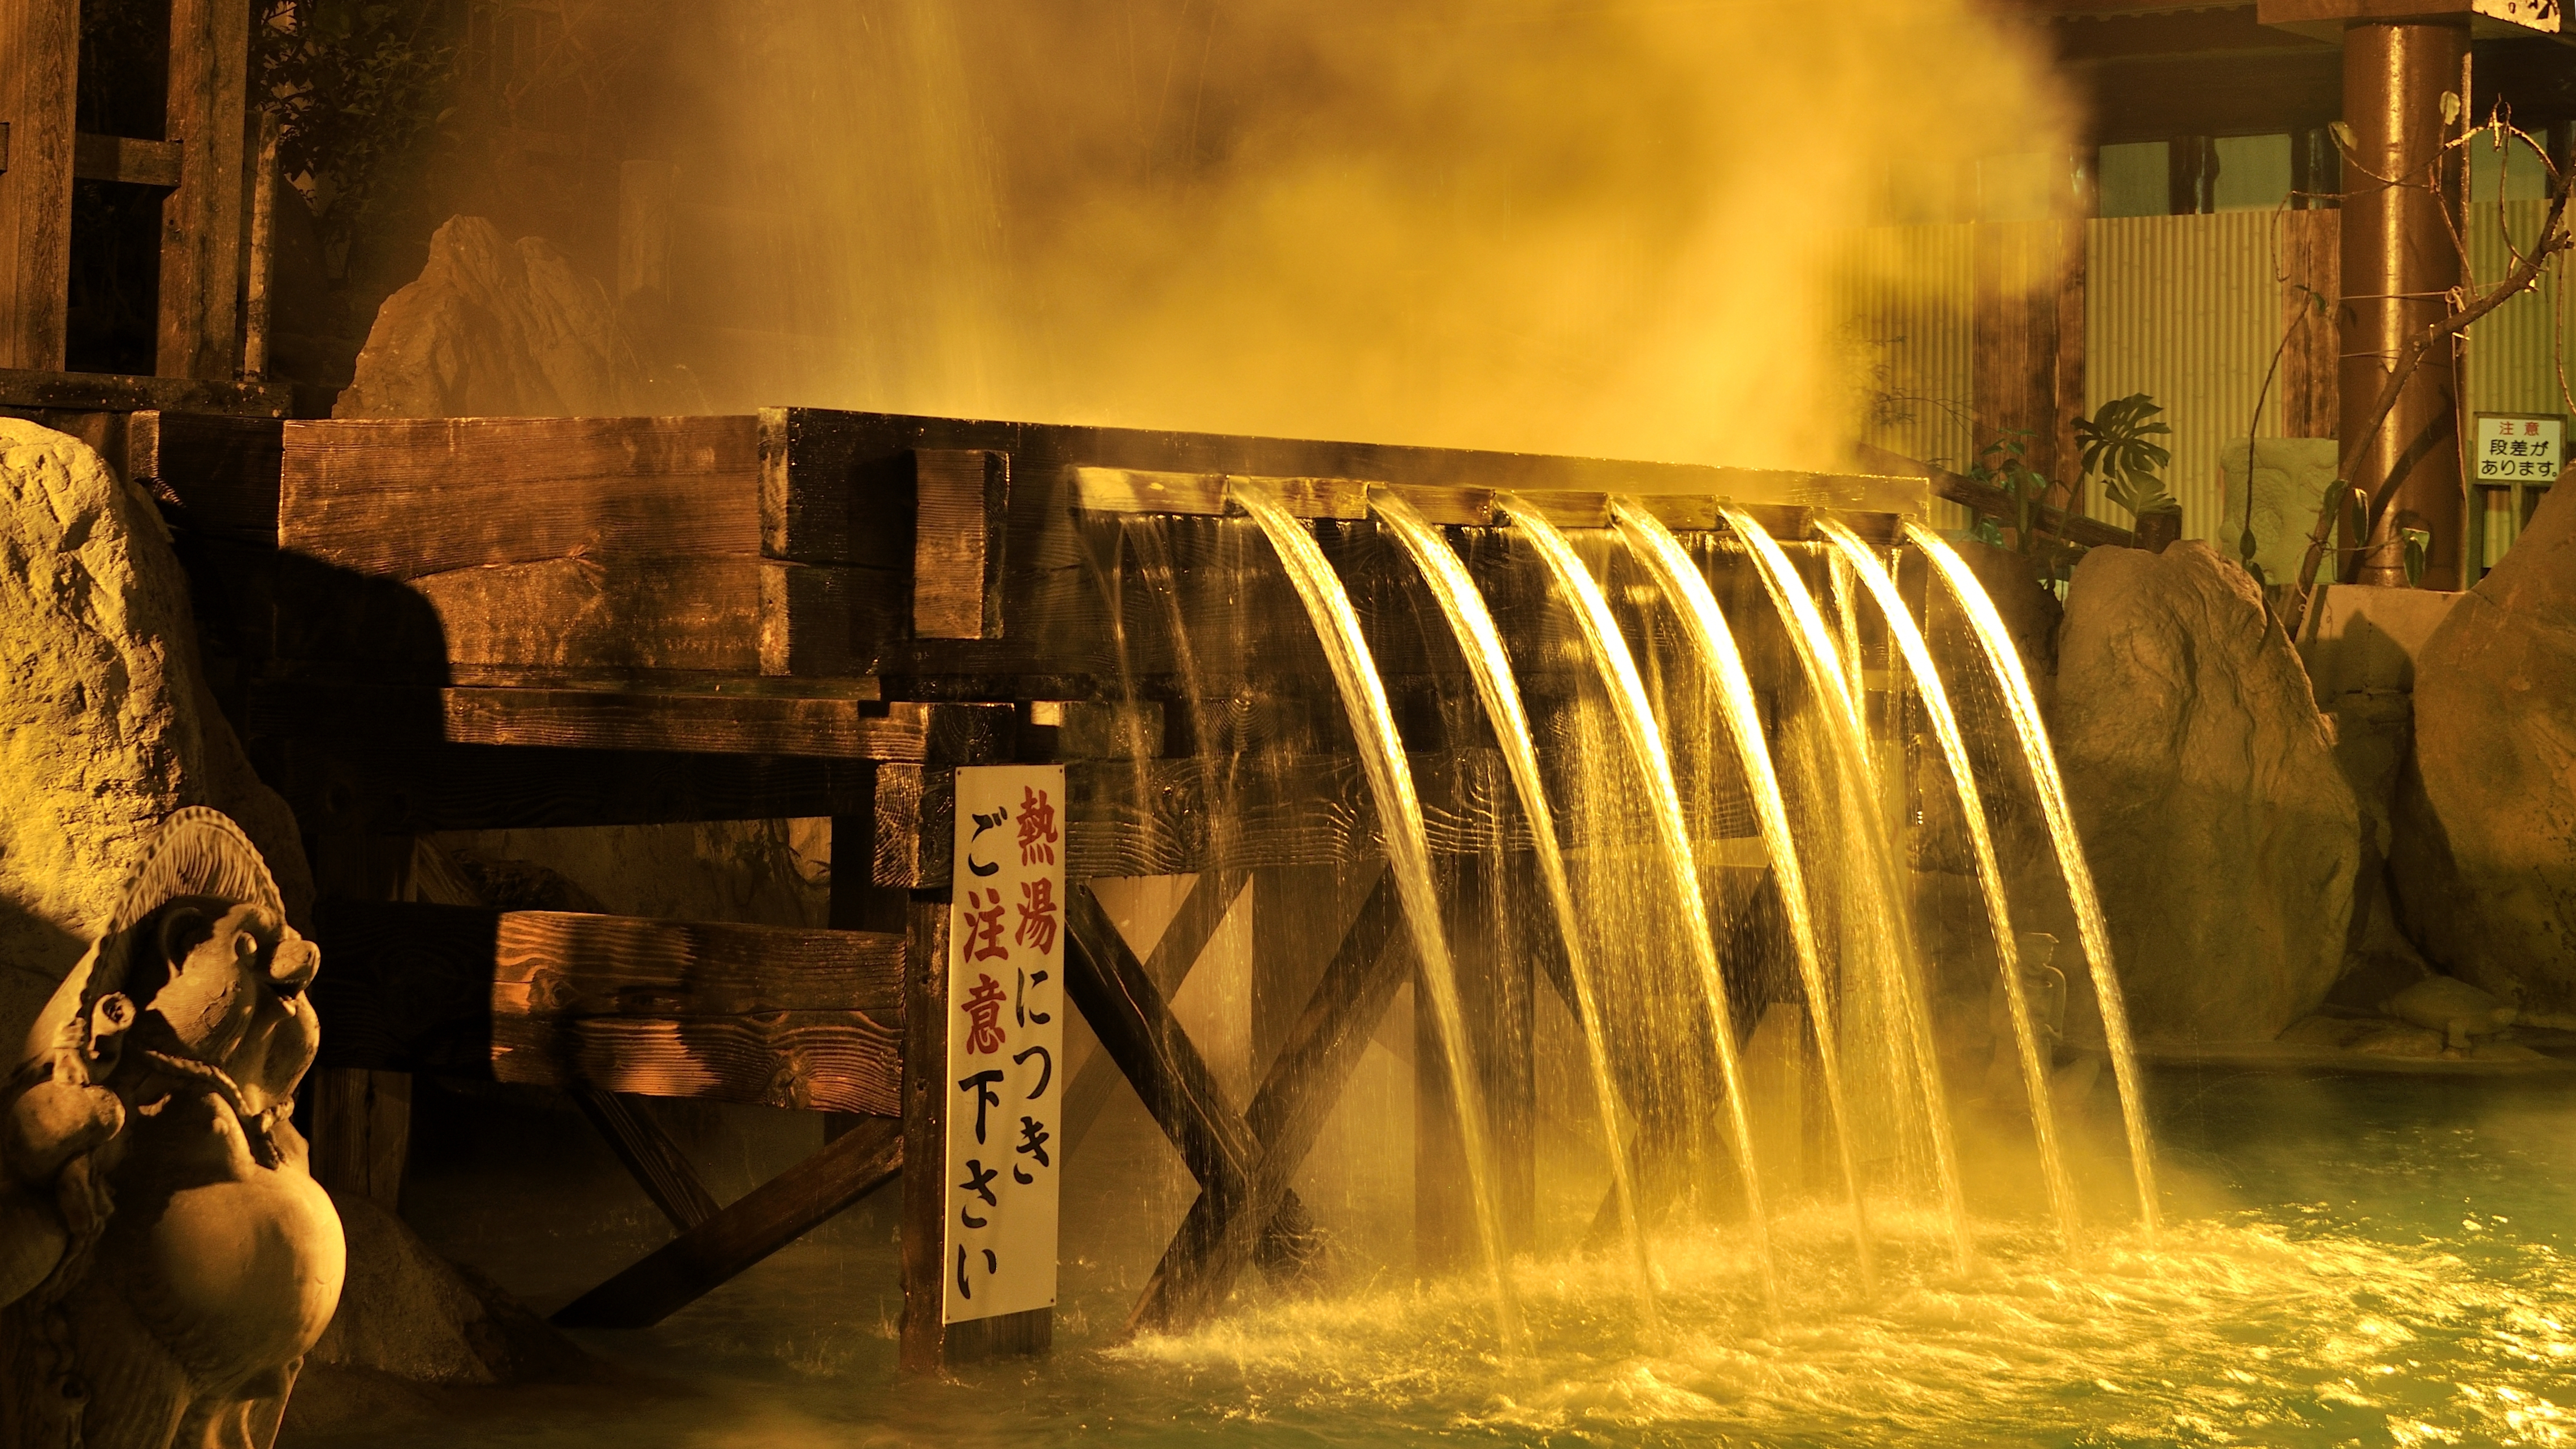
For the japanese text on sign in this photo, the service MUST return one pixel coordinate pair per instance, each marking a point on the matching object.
(1005, 1031)
(2518, 448)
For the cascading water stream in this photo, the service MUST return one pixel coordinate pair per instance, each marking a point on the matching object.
(1849, 742)
(1628, 702)
(2023, 706)
(1408, 849)
(1873, 576)
(1653, 543)
(1490, 665)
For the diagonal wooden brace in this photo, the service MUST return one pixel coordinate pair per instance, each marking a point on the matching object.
(752, 1227)
(1187, 934)
(1220, 1235)
(1111, 989)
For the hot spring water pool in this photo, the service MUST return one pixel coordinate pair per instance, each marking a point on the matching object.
(2347, 1260)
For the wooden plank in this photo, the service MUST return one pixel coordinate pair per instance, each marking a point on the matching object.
(1134, 1023)
(1471, 507)
(423, 788)
(651, 1157)
(1185, 936)
(961, 529)
(633, 613)
(201, 220)
(1137, 490)
(405, 986)
(815, 1061)
(762, 1221)
(827, 497)
(824, 620)
(126, 159)
(582, 719)
(259, 266)
(1567, 508)
(1216, 1239)
(1995, 503)
(407, 497)
(562, 963)
(41, 39)
(211, 472)
(104, 392)
(361, 1132)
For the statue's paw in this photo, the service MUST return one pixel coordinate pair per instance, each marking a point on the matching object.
(54, 1122)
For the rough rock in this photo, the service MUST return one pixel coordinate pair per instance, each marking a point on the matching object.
(2398, 1041)
(2452, 1007)
(2289, 482)
(2222, 836)
(2485, 850)
(106, 723)
(407, 1312)
(494, 328)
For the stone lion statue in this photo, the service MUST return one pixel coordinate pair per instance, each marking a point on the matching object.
(166, 1257)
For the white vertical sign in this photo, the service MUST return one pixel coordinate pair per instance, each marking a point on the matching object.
(1005, 1039)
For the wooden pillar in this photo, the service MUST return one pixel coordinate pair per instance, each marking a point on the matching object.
(1494, 993)
(2398, 263)
(202, 220)
(2311, 312)
(39, 60)
(361, 1133)
(2027, 351)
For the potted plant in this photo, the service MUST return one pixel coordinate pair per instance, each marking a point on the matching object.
(2116, 445)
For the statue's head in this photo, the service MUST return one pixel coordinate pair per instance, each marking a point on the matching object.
(197, 969)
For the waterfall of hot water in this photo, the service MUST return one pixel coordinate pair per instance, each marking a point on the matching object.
(1490, 665)
(2023, 707)
(1610, 656)
(1873, 576)
(1891, 938)
(1714, 643)
(1408, 849)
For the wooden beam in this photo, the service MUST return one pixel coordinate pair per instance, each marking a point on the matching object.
(736, 615)
(102, 392)
(201, 220)
(761, 1222)
(1220, 1236)
(651, 1157)
(126, 159)
(1137, 490)
(755, 1014)
(41, 39)
(1995, 503)
(211, 472)
(1185, 937)
(423, 788)
(820, 727)
(961, 530)
(1118, 1000)
(410, 497)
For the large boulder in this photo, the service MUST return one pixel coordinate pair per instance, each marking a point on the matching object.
(2221, 834)
(106, 724)
(2485, 850)
(494, 328)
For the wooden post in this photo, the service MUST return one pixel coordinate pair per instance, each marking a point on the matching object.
(263, 238)
(361, 1116)
(201, 221)
(929, 1344)
(39, 61)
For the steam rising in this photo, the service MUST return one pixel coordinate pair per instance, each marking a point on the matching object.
(1597, 228)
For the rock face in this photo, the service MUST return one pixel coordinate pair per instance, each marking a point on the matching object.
(106, 725)
(494, 328)
(2485, 849)
(2221, 834)
(409, 1313)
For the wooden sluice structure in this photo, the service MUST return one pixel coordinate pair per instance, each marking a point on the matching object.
(426, 626)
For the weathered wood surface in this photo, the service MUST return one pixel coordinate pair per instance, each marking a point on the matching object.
(732, 1013)
(126, 159)
(423, 788)
(1120, 1003)
(923, 1246)
(961, 535)
(211, 472)
(406, 498)
(1996, 503)
(1137, 490)
(201, 221)
(1176, 817)
(761, 1222)
(105, 392)
(817, 727)
(827, 619)
(815, 1061)
(1185, 937)
(361, 1132)
(651, 1157)
(40, 41)
(1218, 1237)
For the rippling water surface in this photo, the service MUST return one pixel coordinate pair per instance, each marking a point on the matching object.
(2356, 1261)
